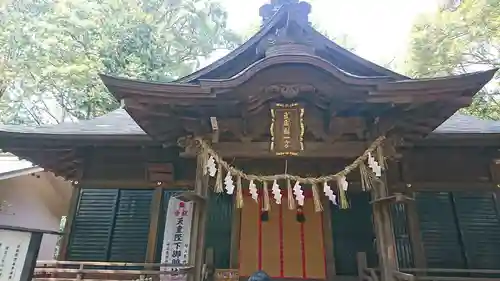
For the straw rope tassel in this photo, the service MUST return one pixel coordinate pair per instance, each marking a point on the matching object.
(291, 201)
(366, 177)
(266, 206)
(380, 157)
(317, 200)
(219, 188)
(204, 161)
(239, 194)
(343, 203)
(348, 169)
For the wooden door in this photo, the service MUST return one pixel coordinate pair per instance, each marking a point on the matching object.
(282, 246)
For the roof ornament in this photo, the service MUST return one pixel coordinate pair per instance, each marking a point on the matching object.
(300, 9)
(289, 36)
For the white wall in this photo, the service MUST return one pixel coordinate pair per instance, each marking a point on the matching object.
(36, 203)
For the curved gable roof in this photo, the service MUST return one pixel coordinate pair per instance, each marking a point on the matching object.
(247, 54)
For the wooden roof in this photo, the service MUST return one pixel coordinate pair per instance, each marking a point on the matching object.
(288, 55)
(111, 128)
(167, 111)
(118, 125)
(286, 60)
(249, 53)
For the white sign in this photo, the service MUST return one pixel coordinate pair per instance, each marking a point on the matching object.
(13, 250)
(177, 237)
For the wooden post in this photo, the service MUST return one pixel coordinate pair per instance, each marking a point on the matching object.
(384, 231)
(328, 240)
(199, 220)
(362, 265)
(235, 236)
(154, 216)
(414, 231)
(73, 207)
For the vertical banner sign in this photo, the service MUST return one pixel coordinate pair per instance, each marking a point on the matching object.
(287, 129)
(13, 250)
(176, 239)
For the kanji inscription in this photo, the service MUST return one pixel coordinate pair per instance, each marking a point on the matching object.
(287, 129)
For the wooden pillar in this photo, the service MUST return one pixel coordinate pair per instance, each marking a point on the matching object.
(235, 236)
(384, 230)
(73, 207)
(328, 240)
(153, 224)
(199, 220)
(414, 231)
(362, 265)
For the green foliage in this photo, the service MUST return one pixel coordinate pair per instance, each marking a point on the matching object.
(53, 51)
(460, 41)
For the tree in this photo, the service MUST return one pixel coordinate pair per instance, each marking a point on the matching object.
(454, 42)
(53, 51)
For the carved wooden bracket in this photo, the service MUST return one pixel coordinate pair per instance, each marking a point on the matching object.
(289, 91)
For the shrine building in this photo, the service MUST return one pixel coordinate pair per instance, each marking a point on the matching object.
(289, 155)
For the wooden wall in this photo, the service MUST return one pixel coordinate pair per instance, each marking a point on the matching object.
(447, 164)
(136, 165)
(118, 183)
(118, 206)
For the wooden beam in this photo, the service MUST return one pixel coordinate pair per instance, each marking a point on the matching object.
(407, 99)
(154, 217)
(262, 150)
(444, 186)
(137, 184)
(73, 206)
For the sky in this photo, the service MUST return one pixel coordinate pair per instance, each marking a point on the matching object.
(378, 28)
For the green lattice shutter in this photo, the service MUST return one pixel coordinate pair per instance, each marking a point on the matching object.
(218, 228)
(92, 225)
(479, 224)
(439, 231)
(352, 233)
(401, 236)
(129, 240)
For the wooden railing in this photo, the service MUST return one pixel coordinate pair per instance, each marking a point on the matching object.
(110, 271)
(373, 274)
(428, 274)
(448, 274)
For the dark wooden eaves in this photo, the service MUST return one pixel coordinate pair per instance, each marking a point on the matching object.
(206, 88)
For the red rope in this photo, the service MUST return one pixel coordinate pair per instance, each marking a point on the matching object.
(281, 241)
(303, 249)
(260, 235)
